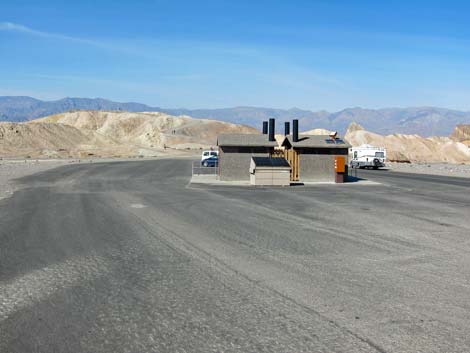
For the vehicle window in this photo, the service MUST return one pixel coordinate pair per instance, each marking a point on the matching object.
(214, 153)
(379, 154)
(355, 154)
(206, 154)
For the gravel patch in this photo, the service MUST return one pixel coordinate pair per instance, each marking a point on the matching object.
(445, 169)
(13, 169)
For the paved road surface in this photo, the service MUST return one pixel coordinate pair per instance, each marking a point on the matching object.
(126, 257)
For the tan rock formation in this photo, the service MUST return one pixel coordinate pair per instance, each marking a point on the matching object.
(412, 148)
(461, 134)
(83, 133)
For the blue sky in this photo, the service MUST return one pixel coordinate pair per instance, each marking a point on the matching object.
(209, 54)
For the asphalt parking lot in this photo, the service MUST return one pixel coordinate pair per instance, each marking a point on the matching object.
(129, 257)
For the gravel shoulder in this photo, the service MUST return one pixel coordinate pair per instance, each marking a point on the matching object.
(444, 169)
(16, 168)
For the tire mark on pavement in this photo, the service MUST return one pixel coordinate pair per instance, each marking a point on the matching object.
(180, 245)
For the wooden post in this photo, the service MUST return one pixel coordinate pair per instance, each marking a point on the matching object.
(293, 158)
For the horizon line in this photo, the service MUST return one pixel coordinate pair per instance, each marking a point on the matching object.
(237, 106)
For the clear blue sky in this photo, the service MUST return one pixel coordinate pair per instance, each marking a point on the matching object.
(307, 54)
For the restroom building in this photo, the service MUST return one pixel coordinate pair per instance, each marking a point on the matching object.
(314, 158)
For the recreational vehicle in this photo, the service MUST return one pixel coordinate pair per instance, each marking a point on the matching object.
(367, 156)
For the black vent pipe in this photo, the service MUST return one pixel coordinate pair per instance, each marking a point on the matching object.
(272, 129)
(286, 128)
(295, 130)
(265, 127)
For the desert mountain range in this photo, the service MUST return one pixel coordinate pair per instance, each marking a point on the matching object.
(424, 121)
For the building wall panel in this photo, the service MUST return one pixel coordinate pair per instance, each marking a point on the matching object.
(317, 167)
(234, 163)
(318, 164)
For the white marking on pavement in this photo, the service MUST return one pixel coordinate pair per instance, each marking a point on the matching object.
(137, 205)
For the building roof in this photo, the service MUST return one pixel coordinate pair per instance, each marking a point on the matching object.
(315, 141)
(270, 162)
(245, 140)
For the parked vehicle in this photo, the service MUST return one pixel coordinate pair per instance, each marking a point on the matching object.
(209, 154)
(367, 156)
(210, 162)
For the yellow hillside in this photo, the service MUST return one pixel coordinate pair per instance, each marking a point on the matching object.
(111, 133)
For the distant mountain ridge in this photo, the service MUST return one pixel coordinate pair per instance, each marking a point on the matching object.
(18, 108)
(424, 121)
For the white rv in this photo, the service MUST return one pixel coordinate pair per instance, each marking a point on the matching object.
(367, 156)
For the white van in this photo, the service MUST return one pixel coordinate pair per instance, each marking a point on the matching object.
(367, 156)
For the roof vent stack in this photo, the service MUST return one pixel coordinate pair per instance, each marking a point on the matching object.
(295, 130)
(265, 127)
(286, 128)
(272, 129)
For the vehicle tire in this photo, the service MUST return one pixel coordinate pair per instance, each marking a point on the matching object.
(376, 163)
(205, 164)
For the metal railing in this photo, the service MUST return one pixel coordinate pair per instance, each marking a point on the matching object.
(352, 171)
(199, 169)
